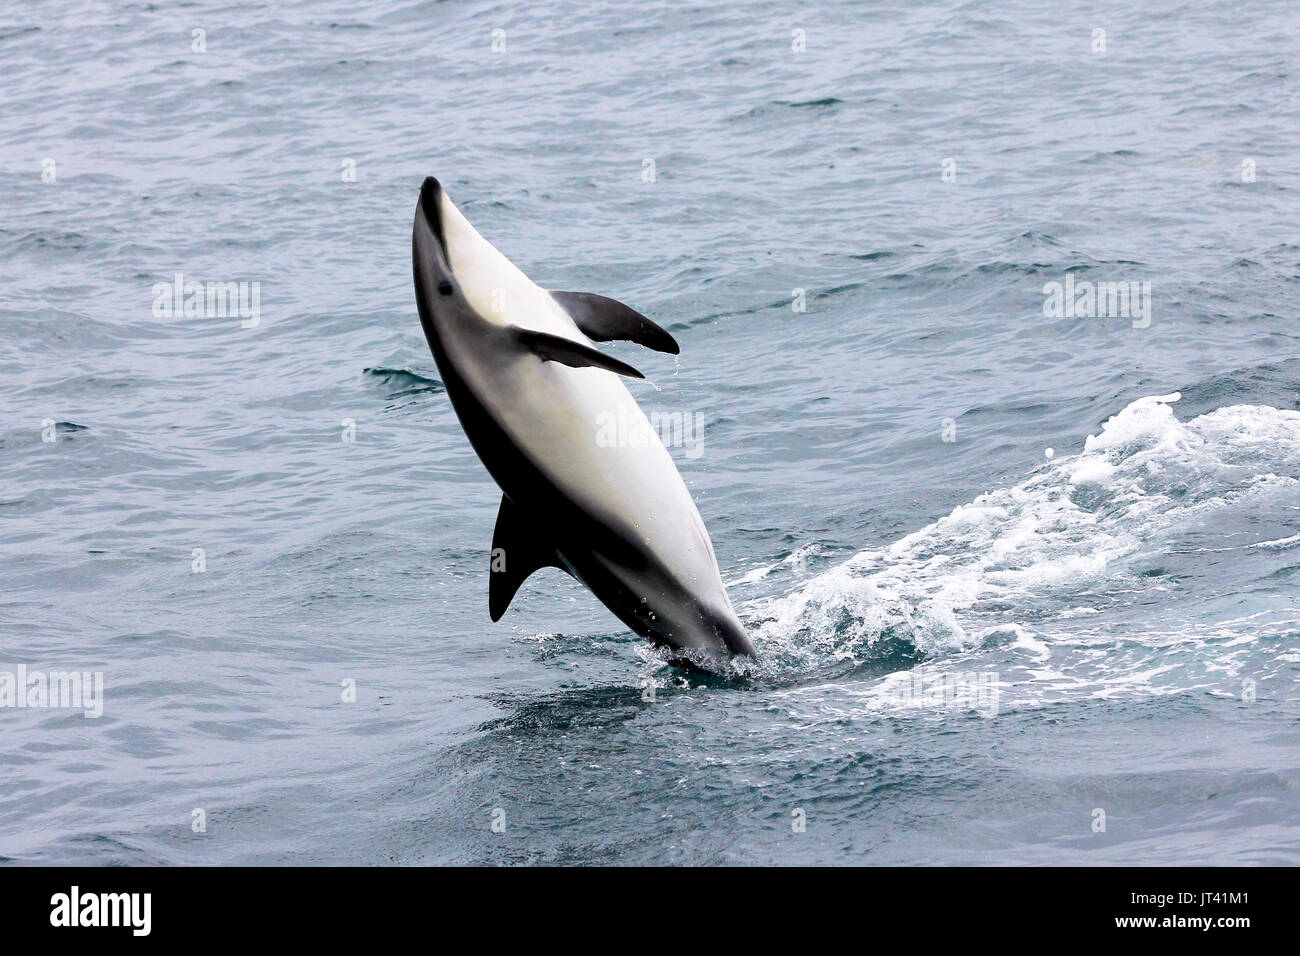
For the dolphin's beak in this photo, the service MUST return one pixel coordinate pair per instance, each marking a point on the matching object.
(430, 241)
(431, 209)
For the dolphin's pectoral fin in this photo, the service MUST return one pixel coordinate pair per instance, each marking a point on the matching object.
(518, 549)
(603, 319)
(556, 348)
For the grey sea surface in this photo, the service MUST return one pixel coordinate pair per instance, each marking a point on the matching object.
(1024, 584)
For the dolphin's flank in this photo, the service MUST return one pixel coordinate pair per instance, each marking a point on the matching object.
(530, 390)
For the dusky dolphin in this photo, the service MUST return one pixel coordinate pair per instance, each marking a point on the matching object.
(531, 391)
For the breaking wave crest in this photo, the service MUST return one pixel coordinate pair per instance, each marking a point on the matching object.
(1120, 533)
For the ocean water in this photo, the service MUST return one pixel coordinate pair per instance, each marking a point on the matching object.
(1023, 585)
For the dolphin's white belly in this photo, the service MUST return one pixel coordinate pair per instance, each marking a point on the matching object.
(567, 420)
(563, 417)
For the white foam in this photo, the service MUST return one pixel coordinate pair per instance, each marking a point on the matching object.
(1033, 553)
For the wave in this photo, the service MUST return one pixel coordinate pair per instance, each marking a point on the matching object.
(1109, 544)
(401, 382)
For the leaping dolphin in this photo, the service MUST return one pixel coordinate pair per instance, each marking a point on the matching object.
(530, 391)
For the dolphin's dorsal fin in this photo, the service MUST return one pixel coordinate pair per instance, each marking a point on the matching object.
(518, 549)
(556, 348)
(603, 320)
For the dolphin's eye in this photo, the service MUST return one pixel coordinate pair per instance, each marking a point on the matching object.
(444, 287)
